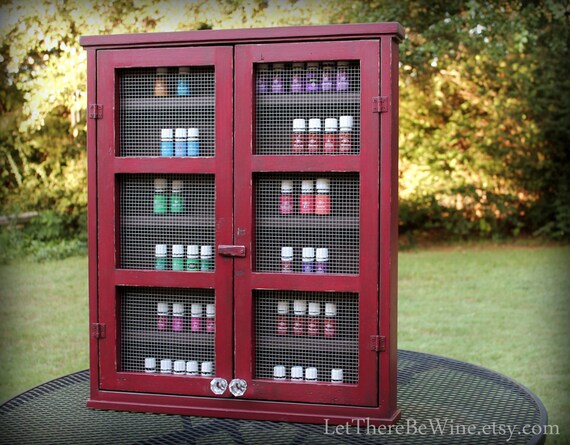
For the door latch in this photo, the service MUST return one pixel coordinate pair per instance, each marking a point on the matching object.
(228, 250)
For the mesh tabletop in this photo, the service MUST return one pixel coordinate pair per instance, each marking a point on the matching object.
(443, 401)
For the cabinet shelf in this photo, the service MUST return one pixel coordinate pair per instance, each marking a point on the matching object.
(161, 103)
(319, 344)
(309, 222)
(172, 221)
(307, 99)
(169, 337)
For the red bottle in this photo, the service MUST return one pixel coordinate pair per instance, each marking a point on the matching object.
(329, 325)
(282, 320)
(307, 198)
(322, 198)
(315, 137)
(330, 138)
(314, 320)
(345, 135)
(299, 138)
(286, 198)
(299, 322)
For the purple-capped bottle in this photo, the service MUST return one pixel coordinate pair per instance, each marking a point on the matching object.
(263, 78)
(312, 81)
(277, 82)
(297, 84)
(342, 81)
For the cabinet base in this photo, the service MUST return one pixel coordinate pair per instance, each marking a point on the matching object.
(245, 409)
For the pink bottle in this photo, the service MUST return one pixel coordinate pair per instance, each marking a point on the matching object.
(330, 138)
(314, 320)
(286, 198)
(307, 198)
(315, 137)
(211, 318)
(177, 317)
(299, 137)
(162, 316)
(329, 325)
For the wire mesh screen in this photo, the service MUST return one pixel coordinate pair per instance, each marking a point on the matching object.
(307, 223)
(167, 222)
(161, 326)
(308, 108)
(308, 330)
(167, 111)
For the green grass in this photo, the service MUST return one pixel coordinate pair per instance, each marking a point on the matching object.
(505, 308)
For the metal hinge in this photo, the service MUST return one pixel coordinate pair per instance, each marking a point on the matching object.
(378, 343)
(98, 330)
(380, 104)
(95, 111)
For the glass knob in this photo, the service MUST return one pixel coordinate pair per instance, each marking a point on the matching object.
(238, 387)
(218, 385)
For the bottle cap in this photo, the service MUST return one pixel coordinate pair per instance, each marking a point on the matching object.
(196, 310)
(166, 366)
(149, 364)
(177, 309)
(346, 123)
(299, 307)
(323, 184)
(330, 309)
(331, 124)
(162, 308)
(314, 125)
(308, 253)
(206, 251)
(329, 64)
(336, 375)
(160, 250)
(286, 253)
(166, 133)
(314, 308)
(279, 372)
(263, 67)
(286, 186)
(322, 254)
(192, 367)
(312, 64)
(282, 307)
(278, 66)
(298, 65)
(184, 70)
(210, 310)
(206, 368)
(177, 185)
(307, 185)
(311, 374)
(177, 250)
(193, 132)
(180, 133)
(343, 63)
(160, 184)
(296, 373)
(179, 367)
(193, 250)
(162, 70)
(299, 124)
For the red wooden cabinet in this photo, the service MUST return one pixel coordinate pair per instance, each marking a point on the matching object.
(243, 222)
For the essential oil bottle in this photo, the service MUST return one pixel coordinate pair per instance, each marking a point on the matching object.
(314, 320)
(196, 317)
(286, 198)
(315, 137)
(159, 199)
(162, 316)
(322, 260)
(176, 197)
(211, 318)
(282, 319)
(193, 258)
(297, 373)
(299, 137)
(330, 138)
(299, 320)
(311, 374)
(308, 260)
(329, 323)
(307, 197)
(322, 197)
(177, 317)
(279, 372)
(183, 84)
(286, 259)
(160, 260)
(297, 84)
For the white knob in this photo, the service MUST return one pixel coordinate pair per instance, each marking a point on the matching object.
(218, 385)
(238, 387)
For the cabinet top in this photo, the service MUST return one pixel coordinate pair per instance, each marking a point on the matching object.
(252, 35)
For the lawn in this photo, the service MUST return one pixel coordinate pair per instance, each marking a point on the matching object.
(502, 307)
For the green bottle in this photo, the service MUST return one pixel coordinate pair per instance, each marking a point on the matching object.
(177, 257)
(176, 198)
(160, 200)
(160, 257)
(193, 258)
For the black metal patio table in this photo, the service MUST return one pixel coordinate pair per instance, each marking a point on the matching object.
(443, 401)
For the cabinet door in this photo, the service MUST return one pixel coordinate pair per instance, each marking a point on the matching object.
(307, 210)
(164, 162)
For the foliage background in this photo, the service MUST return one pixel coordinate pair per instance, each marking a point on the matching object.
(485, 107)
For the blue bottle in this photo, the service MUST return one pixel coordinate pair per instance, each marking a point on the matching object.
(183, 84)
(166, 142)
(193, 142)
(180, 142)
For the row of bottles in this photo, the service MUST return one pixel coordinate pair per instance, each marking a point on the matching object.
(310, 203)
(179, 84)
(310, 78)
(180, 142)
(162, 202)
(311, 374)
(197, 258)
(315, 141)
(179, 367)
(313, 325)
(308, 262)
(177, 322)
